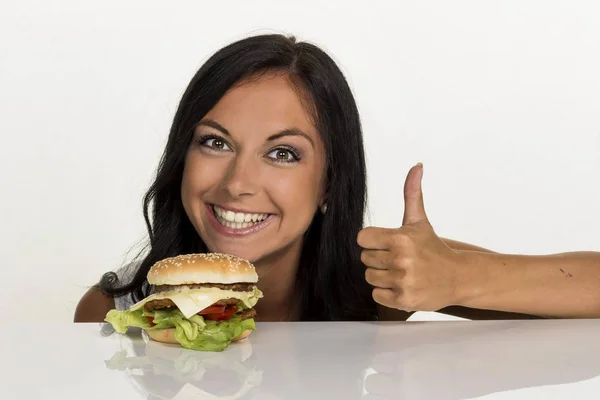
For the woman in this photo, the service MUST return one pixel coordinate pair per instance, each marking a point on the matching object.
(265, 161)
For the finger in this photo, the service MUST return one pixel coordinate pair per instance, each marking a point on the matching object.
(375, 238)
(414, 206)
(386, 297)
(379, 278)
(379, 259)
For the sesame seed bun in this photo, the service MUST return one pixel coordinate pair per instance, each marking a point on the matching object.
(202, 268)
(168, 335)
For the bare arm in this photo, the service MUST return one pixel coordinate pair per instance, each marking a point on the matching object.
(93, 306)
(475, 313)
(563, 285)
(456, 245)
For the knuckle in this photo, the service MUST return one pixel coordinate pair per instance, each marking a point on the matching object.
(409, 279)
(400, 238)
(400, 261)
(399, 281)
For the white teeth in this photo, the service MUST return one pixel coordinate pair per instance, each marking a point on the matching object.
(234, 220)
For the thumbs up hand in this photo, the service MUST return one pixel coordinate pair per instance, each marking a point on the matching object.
(410, 267)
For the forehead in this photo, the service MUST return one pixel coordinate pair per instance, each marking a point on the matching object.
(264, 105)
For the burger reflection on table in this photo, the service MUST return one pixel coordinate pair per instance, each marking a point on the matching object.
(163, 371)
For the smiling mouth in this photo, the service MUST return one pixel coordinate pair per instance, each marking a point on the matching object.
(237, 220)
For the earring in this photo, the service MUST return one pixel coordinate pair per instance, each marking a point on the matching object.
(324, 208)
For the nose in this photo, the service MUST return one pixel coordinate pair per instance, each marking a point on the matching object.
(241, 178)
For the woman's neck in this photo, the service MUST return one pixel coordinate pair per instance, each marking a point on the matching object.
(277, 281)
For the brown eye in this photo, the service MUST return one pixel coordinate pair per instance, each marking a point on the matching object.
(218, 144)
(214, 143)
(284, 155)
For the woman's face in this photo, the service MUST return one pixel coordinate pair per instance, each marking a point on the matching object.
(254, 172)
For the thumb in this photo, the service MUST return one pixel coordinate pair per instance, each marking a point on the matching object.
(414, 207)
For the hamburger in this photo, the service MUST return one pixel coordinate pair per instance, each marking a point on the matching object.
(199, 301)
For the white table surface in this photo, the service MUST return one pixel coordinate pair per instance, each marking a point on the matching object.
(404, 360)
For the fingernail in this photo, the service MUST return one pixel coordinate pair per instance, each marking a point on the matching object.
(420, 165)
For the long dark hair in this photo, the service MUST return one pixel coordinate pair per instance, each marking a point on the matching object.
(330, 281)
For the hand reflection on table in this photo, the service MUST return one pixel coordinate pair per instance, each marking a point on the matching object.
(164, 371)
(456, 361)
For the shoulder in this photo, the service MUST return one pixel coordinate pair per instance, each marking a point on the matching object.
(94, 304)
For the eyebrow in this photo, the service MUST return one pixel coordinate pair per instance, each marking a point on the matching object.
(213, 124)
(286, 132)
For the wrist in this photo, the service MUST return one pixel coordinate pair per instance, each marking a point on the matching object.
(470, 281)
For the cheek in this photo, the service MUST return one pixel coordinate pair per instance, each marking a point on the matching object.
(198, 176)
(297, 195)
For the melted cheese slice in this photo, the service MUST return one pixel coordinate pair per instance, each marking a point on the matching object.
(191, 301)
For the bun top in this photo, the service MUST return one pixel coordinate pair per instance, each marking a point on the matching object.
(202, 268)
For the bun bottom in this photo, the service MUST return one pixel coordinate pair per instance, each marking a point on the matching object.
(163, 335)
(168, 335)
(242, 336)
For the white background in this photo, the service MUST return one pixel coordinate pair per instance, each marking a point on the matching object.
(500, 100)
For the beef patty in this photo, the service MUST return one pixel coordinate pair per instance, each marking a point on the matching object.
(251, 313)
(168, 303)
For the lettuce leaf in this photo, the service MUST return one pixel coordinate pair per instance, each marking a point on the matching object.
(194, 333)
(217, 335)
(120, 320)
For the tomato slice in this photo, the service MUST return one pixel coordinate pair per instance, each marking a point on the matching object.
(149, 319)
(226, 314)
(214, 309)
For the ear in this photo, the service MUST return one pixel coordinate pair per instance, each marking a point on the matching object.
(324, 193)
(324, 198)
(323, 201)
(323, 204)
